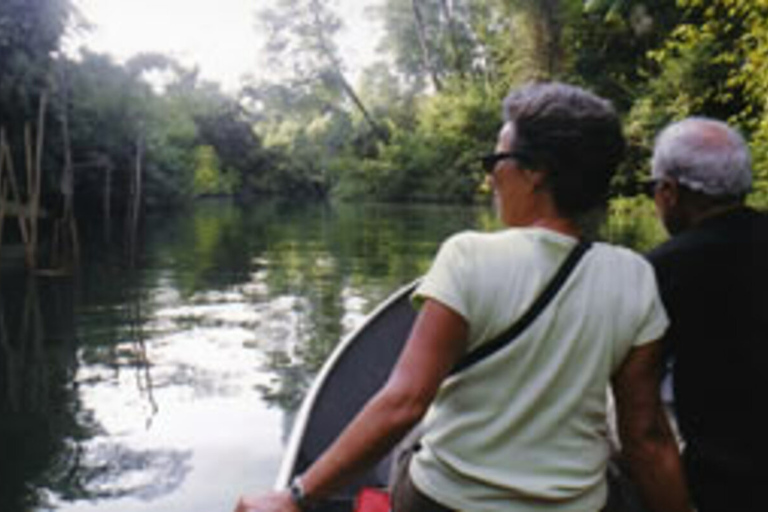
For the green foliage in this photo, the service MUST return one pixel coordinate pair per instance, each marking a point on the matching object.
(438, 97)
(30, 34)
(227, 128)
(396, 174)
(117, 122)
(609, 46)
(437, 159)
(413, 125)
(436, 46)
(632, 222)
(112, 111)
(759, 196)
(389, 96)
(712, 63)
(392, 139)
(209, 179)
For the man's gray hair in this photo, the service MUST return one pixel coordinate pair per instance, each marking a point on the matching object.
(704, 155)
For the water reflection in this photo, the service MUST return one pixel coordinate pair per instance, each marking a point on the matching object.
(165, 377)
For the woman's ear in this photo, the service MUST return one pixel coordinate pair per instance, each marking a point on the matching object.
(537, 177)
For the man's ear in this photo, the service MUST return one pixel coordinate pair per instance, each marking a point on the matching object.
(669, 192)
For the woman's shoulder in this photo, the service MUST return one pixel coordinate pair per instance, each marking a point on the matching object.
(622, 259)
(619, 251)
(471, 237)
(473, 244)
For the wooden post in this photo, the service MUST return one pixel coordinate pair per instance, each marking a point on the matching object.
(108, 202)
(138, 180)
(69, 237)
(30, 243)
(13, 365)
(134, 208)
(3, 198)
(35, 184)
(34, 158)
(5, 155)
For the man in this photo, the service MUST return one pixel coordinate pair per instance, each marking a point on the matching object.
(713, 277)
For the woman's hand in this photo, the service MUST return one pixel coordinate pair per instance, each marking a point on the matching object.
(272, 502)
(436, 343)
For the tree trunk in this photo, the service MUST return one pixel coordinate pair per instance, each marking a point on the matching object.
(456, 61)
(380, 133)
(337, 70)
(426, 55)
(547, 42)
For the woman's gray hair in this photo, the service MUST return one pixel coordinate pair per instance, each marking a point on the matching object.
(704, 155)
(573, 135)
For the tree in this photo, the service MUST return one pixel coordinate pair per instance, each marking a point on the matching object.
(226, 128)
(546, 23)
(711, 62)
(441, 30)
(301, 36)
(426, 53)
(30, 34)
(613, 41)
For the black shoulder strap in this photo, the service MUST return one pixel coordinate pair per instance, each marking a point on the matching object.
(522, 323)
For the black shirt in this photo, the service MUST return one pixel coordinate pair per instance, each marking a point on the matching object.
(713, 281)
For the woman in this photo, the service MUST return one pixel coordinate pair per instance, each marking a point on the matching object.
(523, 429)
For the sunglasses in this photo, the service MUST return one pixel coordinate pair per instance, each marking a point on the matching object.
(490, 161)
(650, 186)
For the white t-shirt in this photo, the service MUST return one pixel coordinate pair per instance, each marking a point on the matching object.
(525, 429)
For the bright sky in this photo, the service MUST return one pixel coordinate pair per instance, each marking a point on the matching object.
(219, 35)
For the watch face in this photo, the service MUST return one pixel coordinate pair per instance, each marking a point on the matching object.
(297, 493)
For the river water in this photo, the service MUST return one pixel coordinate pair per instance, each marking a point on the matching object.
(164, 374)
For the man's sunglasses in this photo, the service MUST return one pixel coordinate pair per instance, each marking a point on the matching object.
(650, 186)
(490, 161)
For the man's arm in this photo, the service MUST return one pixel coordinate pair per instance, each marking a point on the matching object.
(648, 444)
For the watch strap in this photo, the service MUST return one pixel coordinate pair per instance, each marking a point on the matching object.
(298, 495)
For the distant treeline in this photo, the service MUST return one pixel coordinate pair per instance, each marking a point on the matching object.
(408, 128)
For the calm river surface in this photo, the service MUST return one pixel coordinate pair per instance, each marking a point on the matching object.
(165, 377)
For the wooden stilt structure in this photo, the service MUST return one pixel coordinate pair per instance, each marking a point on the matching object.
(34, 158)
(27, 211)
(8, 186)
(65, 249)
(27, 208)
(134, 207)
(22, 348)
(108, 202)
(3, 200)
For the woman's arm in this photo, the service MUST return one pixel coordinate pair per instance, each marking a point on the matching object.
(648, 444)
(436, 343)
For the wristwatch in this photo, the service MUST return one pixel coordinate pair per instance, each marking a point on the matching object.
(298, 496)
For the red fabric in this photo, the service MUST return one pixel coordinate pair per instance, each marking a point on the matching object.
(372, 500)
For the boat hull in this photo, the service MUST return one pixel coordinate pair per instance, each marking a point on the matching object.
(356, 370)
